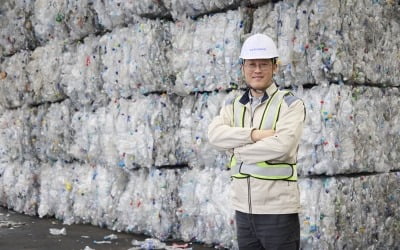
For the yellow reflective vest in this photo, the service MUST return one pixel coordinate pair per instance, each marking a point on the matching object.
(262, 170)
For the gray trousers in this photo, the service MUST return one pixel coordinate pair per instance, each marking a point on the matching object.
(268, 231)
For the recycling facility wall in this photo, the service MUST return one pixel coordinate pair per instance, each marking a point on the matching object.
(104, 107)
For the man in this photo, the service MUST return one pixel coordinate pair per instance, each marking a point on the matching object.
(262, 128)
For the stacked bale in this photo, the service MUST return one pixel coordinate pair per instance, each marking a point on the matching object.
(104, 108)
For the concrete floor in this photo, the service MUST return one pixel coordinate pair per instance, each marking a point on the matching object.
(18, 231)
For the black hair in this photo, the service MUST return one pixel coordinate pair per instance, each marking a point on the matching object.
(274, 60)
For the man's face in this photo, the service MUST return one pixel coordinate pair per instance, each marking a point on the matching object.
(258, 73)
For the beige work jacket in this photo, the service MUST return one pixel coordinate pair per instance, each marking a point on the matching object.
(252, 195)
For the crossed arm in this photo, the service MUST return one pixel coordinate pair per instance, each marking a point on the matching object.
(259, 134)
(222, 135)
(252, 145)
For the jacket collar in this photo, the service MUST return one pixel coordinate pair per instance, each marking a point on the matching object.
(268, 92)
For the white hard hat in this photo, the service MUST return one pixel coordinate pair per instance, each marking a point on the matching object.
(258, 46)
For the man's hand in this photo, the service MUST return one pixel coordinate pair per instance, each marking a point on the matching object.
(258, 134)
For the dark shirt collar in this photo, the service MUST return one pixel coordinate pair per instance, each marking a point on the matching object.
(246, 97)
(268, 92)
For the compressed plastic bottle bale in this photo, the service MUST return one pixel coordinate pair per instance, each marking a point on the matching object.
(83, 127)
(180, 9)
(81, 80)
(208, 107)
(370, 28)
(108, 188)
(205, 213)
(196, 113)
(26, 188)
(134, 59)
(205, 52)
(93, 137)
(307, 156)
(16, 28)
(133, 137)
(26, 147)
(131, 201)
(355, 213)
(44, 71)
(19, 186)
(37, 127)
(367, 209)
(84, 193)
(80, 193)
(392, 116)
(3, 166)
(107, 153)
(313, 50)
(163, 199)
(300, 67)
(312, 151)
(56, 191)
(4, 147)
(81, 21)
(351, 212)
(337, 135)
(369, 105)
(265, 19)
(123, 135)
(328, 57)
(145, 137)
(7, 182)
(16, 143)
(149, 202)
(89, 143)
(52, 131)
(344, 143)
(368, 113)
(15, 89)
(285, 23)
(317, 216)
(321, 141)
(135, 140)
(113, 136)
(164, 121)
(111, 13)
(184, 136)
(94, 189)
(63, 20)
(48, 20)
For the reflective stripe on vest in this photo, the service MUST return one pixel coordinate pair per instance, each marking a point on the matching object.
(262, 170)
(280, 171)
